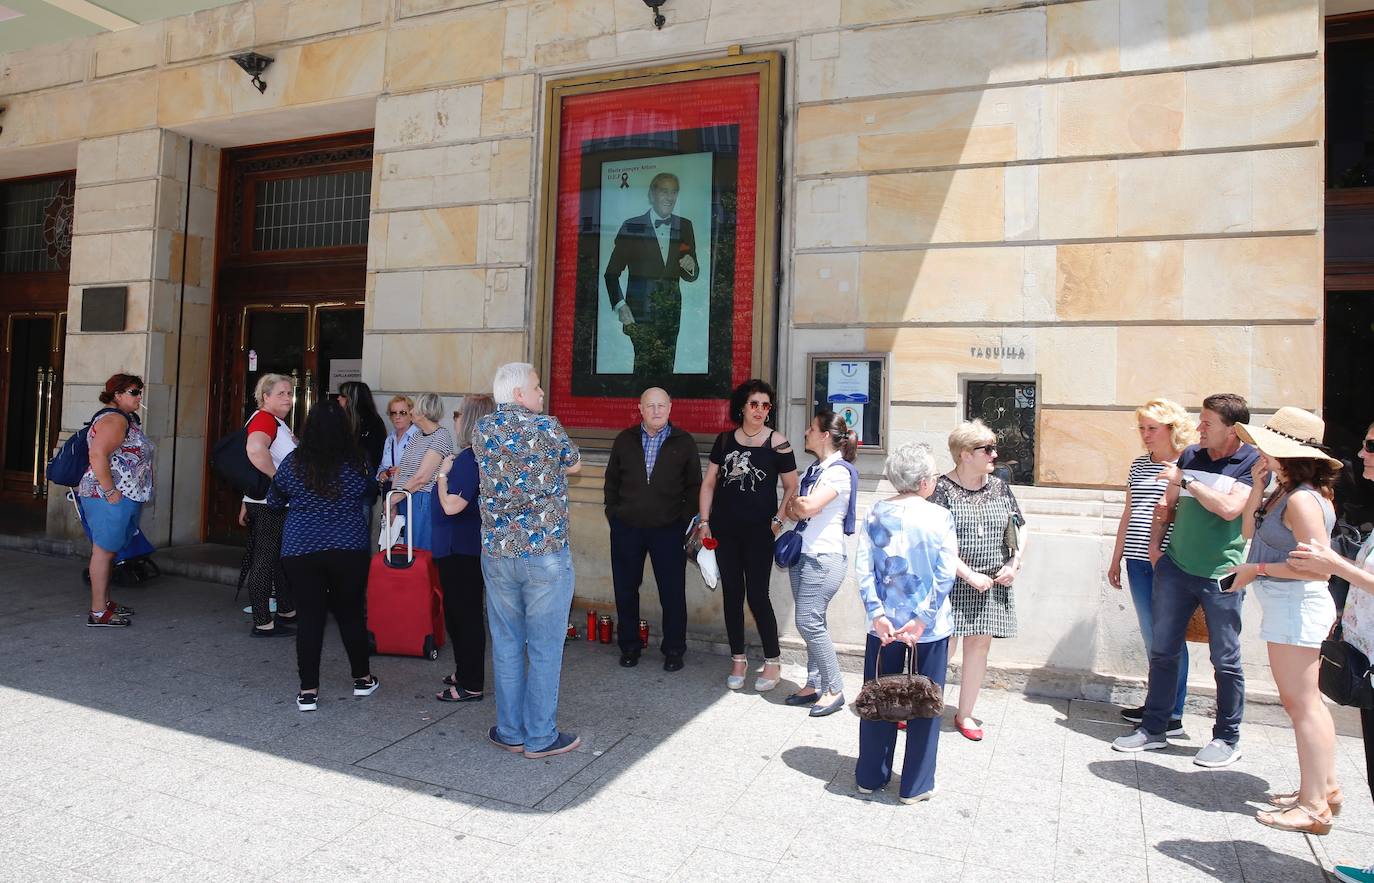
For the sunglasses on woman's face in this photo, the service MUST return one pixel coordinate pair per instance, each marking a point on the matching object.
(761, 406)
(133, 392)
(399, 413)
(987, 449)
(1369, 446)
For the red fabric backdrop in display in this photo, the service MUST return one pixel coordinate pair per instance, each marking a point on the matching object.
(647, 109)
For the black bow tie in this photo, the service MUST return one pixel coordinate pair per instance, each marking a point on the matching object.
(659, 223)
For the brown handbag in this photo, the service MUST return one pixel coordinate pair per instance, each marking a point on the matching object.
(900, 697)
(1197, 628)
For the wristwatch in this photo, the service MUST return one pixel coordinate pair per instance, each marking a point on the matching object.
(1185, 481)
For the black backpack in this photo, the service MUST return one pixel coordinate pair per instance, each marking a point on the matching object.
(229, 459)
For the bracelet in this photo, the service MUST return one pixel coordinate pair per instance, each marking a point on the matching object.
(777, 521)
(105, 495)
(1262, 570)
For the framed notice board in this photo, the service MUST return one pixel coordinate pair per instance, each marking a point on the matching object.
(854, 386)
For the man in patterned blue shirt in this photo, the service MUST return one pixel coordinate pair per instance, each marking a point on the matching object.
(524, 458)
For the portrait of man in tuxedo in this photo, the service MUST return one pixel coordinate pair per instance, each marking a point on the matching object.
(659, 250)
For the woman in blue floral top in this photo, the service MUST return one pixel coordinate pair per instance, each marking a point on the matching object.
(907, 556)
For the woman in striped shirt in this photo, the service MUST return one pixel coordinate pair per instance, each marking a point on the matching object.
(1165, 430)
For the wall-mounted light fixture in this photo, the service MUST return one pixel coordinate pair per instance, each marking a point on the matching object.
(659, 20)
(254, 64)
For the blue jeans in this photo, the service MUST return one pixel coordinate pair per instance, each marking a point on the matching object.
(1176, 595)
(878, 739)
(1141, 575)
(528, 600)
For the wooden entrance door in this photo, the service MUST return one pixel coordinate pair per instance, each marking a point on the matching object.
(32, 393)
(292, 268)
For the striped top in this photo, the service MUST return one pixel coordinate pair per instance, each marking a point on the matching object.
(1145, 493)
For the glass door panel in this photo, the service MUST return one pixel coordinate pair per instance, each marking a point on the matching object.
(338, 346)
(274, 342)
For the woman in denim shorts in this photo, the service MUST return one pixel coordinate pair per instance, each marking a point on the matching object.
(1297, 610)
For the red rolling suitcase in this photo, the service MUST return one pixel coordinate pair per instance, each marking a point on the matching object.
(405, 603)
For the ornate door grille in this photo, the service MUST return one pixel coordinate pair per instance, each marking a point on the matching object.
(1008, 408)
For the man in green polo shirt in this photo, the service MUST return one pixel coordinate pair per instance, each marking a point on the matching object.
(1206, 495)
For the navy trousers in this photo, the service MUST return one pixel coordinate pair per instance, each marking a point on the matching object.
(663, 545)
(878, 739)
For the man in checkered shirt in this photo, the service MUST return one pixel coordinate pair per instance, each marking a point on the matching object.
(652, 480)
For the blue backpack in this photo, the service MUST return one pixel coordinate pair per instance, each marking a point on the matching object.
(72, 460)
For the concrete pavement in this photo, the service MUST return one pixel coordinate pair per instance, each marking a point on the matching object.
(172, 750)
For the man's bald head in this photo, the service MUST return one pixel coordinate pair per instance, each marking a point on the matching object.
(654, 407)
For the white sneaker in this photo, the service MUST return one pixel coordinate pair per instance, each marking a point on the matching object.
(1140, 741)
(918, 797)
(1217, 754)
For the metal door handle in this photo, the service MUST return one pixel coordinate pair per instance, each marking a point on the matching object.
(309, 394)
(296, 393)
(37, 436)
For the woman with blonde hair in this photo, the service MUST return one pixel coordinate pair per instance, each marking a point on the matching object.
(398, 411)
(1165, 430)
(269, 441)
(989, 558)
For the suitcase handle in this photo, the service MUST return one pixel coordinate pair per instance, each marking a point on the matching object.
(410, 531)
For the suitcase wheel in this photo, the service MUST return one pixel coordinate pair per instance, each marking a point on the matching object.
(430, 651)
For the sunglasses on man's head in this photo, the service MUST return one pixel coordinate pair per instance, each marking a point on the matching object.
(398, 413)
(1369, 445)
(761, 406)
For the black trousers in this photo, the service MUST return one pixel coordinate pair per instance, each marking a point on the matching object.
(265, 574)
(663, 545)
(329, 582)
(461, 577)
(745, 559)
(1367, 731)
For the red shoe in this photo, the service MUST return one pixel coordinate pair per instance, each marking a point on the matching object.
(973, 734)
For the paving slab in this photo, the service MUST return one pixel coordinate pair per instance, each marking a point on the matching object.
(175, 746)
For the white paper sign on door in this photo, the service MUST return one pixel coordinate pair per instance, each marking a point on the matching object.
(342, 371)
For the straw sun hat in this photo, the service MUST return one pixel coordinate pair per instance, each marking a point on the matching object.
(1289, 434)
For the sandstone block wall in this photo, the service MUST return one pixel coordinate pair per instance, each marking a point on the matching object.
(1129, 191)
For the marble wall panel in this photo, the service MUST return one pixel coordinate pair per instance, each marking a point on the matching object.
(216, 31)
(976, 51)
(959, 206)
(1275, 277)
(119, 52)
(1183, 362)
(424, 55)
(436, 116)
(1085, 447)
(1286, 366)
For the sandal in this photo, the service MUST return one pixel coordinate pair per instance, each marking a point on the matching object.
(762, 684)
(458, 694)
(732, 680)
(1315, 824)
(450, 681)
(1334, 800)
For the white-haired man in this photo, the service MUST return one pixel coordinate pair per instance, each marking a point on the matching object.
(524, 458)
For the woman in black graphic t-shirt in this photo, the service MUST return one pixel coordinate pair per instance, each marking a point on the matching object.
(739, 507)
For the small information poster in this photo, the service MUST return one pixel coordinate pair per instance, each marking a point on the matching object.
(853, 386)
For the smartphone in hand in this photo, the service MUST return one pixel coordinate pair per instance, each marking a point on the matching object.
(1227, 582)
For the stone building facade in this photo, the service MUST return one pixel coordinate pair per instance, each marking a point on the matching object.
(1113, 199)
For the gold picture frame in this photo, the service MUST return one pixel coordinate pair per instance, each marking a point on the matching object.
(763, 346)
